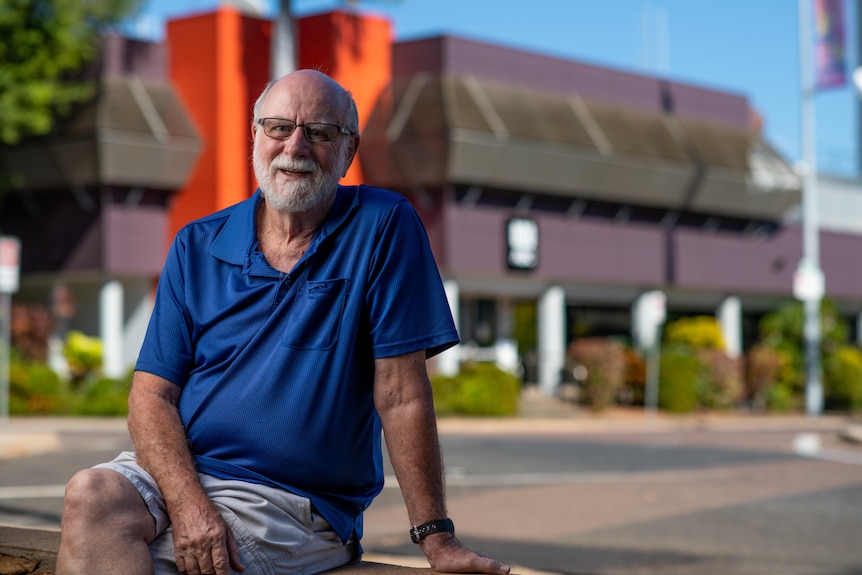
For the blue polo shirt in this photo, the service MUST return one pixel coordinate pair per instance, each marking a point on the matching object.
(277, 369)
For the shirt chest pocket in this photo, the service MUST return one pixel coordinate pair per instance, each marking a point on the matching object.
(315, 316)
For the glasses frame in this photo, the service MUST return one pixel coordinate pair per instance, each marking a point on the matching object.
(305, 127)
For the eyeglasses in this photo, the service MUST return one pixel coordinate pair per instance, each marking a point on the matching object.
(317, 133)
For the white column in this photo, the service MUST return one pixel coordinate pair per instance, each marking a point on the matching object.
(730, 319)
(552, 338)
(648, 313)
(111, 328)
(506, 348)
(448, 362)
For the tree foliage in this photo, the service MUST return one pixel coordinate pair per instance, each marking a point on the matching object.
(46, 44)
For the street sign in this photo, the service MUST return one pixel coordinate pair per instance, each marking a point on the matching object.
(10, 264)
(808, 282)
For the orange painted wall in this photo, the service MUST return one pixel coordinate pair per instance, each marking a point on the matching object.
(219, 63)
(356, 51)
(212, 68)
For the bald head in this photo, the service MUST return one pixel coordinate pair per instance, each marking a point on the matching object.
(314, 88)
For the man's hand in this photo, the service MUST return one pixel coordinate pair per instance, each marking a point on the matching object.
(447, 555)
(203, 542)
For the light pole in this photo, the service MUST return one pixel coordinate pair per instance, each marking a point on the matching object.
(808, 282)
(283, 43)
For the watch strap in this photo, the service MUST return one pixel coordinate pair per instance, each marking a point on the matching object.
(420, 532)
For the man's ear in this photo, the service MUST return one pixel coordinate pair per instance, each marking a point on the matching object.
(351, 151)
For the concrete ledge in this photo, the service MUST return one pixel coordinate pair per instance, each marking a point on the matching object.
(368, 568)
(36, 545)
(34, 552)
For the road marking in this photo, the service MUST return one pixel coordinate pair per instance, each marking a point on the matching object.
(809, 445)
(33, 492)
(528, 479)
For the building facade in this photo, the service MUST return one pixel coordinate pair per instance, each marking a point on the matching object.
(585, 195)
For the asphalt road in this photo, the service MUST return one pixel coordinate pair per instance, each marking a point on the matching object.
(601, 501)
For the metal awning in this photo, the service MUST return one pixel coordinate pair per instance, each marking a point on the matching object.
(430, 130)
(134, 133)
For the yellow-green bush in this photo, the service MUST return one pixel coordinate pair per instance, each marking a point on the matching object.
(35, 389)
(700, 332)
(479, 389)
(678, 374)
(83, 354)
(103, 397)
(842, 378)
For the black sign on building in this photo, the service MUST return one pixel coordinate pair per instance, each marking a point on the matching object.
(522, 243)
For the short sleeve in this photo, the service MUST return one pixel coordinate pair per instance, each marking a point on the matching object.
(167, 348)
(408, 309)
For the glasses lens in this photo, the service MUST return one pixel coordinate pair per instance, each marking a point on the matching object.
(278, 128)
(320, 133)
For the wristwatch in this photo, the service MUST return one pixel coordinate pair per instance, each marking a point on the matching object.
(419, 533)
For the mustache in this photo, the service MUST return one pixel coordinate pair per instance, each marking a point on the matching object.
(294, 165)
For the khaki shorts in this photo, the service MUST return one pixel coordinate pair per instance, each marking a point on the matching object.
(277, 531)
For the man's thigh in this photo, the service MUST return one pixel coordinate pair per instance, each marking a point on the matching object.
(277, 531)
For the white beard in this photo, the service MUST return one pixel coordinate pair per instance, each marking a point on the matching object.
(299, 196)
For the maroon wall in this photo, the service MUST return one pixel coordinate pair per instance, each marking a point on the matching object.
(570, 249)
(447, 54)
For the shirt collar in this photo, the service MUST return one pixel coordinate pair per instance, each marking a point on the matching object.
(236, 240)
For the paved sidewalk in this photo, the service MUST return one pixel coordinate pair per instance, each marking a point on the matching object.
(540, 415)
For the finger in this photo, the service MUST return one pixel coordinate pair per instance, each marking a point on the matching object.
(233, 553)
(181, 564)
(220, 561)
(188, 566)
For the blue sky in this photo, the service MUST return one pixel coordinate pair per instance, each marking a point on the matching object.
(749, 47)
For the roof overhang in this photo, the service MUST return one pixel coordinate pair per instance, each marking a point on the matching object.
(135, 133)
(431, 130)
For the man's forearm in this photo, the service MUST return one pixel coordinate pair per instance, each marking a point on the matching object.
(414, 450)
(160, 441)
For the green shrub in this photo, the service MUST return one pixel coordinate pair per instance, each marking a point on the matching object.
(103, 397)
(780, 397)
(479, 389)
(605, 363)
(678, 373)
(764, 367)
(842, 379)
(782, 330)
(83, 354)
(701, 332)
(35, 389)
(719, 383)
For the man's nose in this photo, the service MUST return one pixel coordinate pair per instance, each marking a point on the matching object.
(296, 140)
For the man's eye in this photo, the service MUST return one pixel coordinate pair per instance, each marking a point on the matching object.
(317, 132)
(280, 128)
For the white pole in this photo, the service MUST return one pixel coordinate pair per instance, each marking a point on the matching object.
(283, 43)
(5, 328)
(449, 361)
(810, 235)
(111, 328)
(552, 339)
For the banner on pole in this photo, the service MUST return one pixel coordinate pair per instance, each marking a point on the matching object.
(830, 55)
(10, 264)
